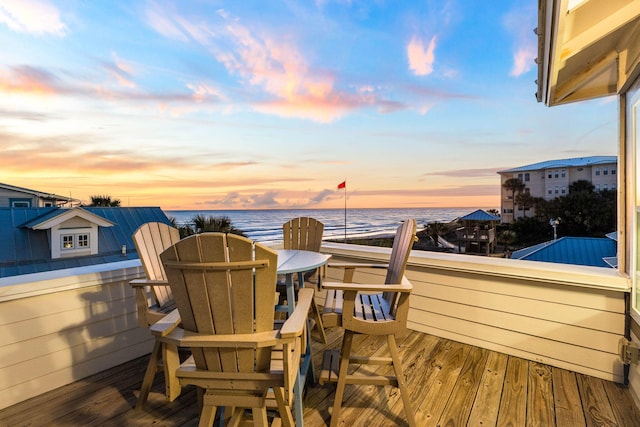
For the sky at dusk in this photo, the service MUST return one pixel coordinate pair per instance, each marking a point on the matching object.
(271, 104)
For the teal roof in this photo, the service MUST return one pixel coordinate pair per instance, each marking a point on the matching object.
(591, 251)
(564, 163)
(25, 251)
(480, 215)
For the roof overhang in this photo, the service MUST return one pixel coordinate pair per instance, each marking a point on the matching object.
(586, 49)
(59, 216)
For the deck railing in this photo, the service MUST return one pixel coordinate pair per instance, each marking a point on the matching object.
(62, 326)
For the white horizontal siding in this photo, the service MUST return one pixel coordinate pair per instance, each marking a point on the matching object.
(555, 314)
(83, 325)
(56, 331)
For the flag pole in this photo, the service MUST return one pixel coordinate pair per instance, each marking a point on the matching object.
(345, 212)
(343, 184)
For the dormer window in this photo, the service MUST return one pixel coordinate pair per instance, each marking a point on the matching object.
(67, 241)
(73, 232)
(74, 241)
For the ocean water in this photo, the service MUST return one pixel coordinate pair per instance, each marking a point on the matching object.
(266, 225)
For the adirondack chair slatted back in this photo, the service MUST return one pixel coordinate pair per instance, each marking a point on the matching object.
(303, 233)
(402, 244)
(224, 284)
(151, 239)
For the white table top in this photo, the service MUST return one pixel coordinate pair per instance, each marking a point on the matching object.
(294, 261)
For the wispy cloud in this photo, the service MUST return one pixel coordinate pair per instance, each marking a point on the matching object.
(279, 68)
(246, 201)
(32, 16)
(121, 70)
(271, 61)
(421, 58)
(452, 191)
(466, 173)
(164, 22)
(118, 85)
(26, 79)
(519, 23)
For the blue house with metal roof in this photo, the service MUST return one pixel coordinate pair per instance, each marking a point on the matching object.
(591, 251)
(44, 239)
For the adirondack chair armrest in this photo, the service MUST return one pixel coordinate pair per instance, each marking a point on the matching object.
(294, 325)
(167, 324)
(183, 338)
(346, 265)
(405, 286)
(140, 283)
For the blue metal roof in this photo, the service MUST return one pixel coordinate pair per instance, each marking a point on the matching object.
(590, 251)
(27, 251)
(480, 215)
(565, 163)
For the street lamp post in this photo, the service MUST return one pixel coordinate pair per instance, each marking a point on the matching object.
(553, 222)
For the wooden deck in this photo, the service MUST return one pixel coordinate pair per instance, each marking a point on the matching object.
(452, 384)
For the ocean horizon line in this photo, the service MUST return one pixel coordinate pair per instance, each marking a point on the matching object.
(265, 225)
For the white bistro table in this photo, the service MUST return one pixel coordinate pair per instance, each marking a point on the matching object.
(290, 262)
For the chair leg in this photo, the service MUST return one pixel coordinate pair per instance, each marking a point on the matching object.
(298, 404)
(171, 362)
(397, 367)
(345, 352)
(149, 375)
(208, 413)
(283, 408)
(260, 416)
(317, 316)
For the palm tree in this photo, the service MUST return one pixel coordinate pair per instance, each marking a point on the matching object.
(104, 201)
(581, 185)
(526, 201)
(221, 224)
(494, 212)
(515, 186)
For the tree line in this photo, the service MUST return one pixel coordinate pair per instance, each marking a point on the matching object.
(582, 212)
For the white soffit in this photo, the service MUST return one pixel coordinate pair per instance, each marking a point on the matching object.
(65, 215)
(589, 44)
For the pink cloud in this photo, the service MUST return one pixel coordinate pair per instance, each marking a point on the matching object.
(524, 41)
(523, 60)
(269, 61)
(421, 58)
(122, 71)
(26, 79)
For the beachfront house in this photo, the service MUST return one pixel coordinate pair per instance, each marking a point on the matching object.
(580, 318)
(552, 178)
(18, 197)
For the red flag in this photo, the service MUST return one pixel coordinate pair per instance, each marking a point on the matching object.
(343, 184)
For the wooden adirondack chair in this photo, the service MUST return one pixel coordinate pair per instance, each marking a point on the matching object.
(154, 300)
(224, 287)
(379, 309)
(305, 233)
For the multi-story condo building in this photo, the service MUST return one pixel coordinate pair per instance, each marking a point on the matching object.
(551, 179)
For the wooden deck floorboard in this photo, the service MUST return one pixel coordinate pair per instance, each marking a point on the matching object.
(450, 384)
